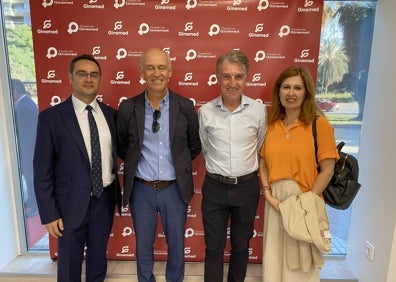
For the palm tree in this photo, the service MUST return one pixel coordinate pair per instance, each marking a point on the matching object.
(357, 21)
(333, 62)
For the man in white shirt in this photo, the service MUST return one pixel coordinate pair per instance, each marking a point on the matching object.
(232, 130)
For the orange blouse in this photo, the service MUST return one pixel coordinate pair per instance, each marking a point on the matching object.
(290, 154)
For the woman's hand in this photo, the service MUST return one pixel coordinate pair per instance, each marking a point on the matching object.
(274, 202)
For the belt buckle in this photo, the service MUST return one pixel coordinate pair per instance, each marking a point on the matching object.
(157, 183)
(235, 178)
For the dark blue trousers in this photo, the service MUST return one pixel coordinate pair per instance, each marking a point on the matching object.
(93, 234)
(146, 203)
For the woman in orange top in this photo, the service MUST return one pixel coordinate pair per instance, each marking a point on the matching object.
(288, 165)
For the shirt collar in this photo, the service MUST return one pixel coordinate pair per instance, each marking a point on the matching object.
(80, 106)
(244, 103)
(163, 101)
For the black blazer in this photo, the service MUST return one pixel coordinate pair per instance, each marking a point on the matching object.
(184, 139)
(62, 176)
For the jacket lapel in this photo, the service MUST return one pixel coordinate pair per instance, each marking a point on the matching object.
(71, 123)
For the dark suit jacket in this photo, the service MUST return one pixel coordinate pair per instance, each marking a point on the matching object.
(26, 113)
(62, 176)
(184, 139)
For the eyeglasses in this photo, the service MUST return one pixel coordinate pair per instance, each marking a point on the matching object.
(84, 75)
(155, 127)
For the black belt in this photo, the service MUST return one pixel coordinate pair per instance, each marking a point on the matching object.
(156, 184)
(229, 180)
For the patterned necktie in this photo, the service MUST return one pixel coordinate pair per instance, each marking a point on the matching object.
(96, 159)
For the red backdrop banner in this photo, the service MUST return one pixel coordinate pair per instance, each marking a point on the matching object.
(273, 34)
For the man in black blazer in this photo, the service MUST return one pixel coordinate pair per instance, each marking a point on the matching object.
(158, 139)
(68, 207)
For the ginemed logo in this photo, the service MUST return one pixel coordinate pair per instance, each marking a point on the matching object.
(236, 6)
(96, 53)
(50, 74)
(262, 5)
(188, 77)
(119, 80)
(47, 3)
(260, 56)
(189, 233)
(191, 54)
(188, 27)
(55, 100)
(284, 31)
(258, 31)
(47, 24)
(46, 28)
(52, 52)
(117, 29)
(308, 7)
(144, 28)
(121, 53)
(256, 81)
(119, 3)
(212, 79)
(73, 27)
(127, 231)
(50, 78)
(164, 6)
(214, 29)
(304, 54)
(191, 4)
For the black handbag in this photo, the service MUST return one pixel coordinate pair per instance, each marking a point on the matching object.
(344, 184)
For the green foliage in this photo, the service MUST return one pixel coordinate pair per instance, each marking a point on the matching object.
(343, 119)
(20, 52)
(346, 97)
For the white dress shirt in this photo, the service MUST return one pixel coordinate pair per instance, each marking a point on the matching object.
(104, 136)
(231, 141)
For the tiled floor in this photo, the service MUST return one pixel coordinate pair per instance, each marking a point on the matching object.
(40, 268)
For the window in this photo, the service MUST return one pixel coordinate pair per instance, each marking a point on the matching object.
(344, 58)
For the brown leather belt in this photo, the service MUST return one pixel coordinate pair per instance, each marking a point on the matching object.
(231, 180)
(156, 184)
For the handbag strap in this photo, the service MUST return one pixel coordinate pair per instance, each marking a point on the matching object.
(315, 139)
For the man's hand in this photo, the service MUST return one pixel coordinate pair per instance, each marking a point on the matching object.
(55, 228)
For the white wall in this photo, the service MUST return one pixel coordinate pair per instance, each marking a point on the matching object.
(8, 219)
(374, 211)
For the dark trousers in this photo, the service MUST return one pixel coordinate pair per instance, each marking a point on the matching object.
(221, 202)
(93, 234)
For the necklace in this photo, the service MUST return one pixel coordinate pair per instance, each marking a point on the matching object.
(287, 123)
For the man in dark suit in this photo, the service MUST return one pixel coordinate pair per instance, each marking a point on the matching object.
(158, 139)
(26, 113)
(64, 177)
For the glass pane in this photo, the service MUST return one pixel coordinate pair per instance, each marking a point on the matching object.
(341, 85)
(24, 94)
